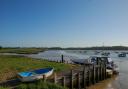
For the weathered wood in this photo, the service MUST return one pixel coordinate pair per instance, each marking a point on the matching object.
(44, 78)
(63, 81)
(101, 71)
(71, 80)
(89, 77)
(98, 74)
(55, 79)
(84, 78)
(62, 58)
(93, 73)
(105, 69)
(78, 81)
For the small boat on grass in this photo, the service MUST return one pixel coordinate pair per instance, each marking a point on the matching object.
(29, 76)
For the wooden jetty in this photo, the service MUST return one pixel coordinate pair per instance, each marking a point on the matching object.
(82, 78)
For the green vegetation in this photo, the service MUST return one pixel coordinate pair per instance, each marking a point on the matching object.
(34, 50)
(11, 65)
(22, 50)
(3, 88)
(40, 85)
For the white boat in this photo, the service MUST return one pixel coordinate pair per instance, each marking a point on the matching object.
(29, 76)
(109, 72)
(93, 60)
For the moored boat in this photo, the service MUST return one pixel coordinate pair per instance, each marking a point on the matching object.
(29, 76)
(105, 53)
(93, 60)
(122, 55)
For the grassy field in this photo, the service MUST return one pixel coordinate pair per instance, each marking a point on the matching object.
(11, 65)
(22, 50)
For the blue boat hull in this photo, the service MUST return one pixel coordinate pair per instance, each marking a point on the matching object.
(35, 74)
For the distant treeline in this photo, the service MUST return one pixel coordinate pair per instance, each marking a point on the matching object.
(92, 48)
(71, 48)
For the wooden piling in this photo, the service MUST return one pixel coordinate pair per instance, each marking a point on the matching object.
(62, 58)
(98, 73)
(93, 73)
(44, 78)
(105, 69)
(84, 79)
(63, 80)
(101, 73)
(89, 77)
(71, 80)
(78, 81)
(55, 80)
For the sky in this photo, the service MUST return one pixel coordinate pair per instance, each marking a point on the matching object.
(63, 23)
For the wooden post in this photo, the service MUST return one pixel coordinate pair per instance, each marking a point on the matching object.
(105, 69)
(44, 78)
(84, 79)
(55, 78)
(63, 80)
(101, 71)
(93, 73)
(62, 57)
(89, 76)
(71, 81)
(97, 61)
(98, 73)
(78, 80)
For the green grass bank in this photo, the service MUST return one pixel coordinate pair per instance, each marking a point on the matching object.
(11, 65)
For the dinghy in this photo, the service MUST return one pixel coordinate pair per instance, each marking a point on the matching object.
(29, 76)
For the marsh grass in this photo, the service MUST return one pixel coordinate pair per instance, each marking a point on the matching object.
(11, 65)
(40, 85)
(22, 50)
